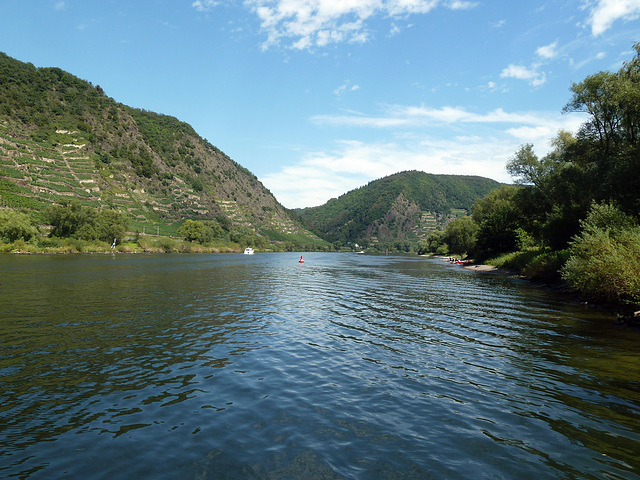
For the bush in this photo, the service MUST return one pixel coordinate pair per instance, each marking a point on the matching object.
(605, 266)
(605, 257)
(168, 245)
(16, 226)
(71, 219)
(547, 266)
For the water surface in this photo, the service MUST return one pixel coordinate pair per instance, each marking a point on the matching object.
(344, 367)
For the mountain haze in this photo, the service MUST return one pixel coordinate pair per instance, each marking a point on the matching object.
(403, 207)
(61, 137)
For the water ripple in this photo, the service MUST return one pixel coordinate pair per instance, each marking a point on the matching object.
(348, 366)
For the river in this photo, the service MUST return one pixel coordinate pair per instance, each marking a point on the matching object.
(347, 366)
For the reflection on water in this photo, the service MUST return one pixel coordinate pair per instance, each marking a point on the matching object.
(348, 366)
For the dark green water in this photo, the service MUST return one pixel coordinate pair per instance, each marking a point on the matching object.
(345, 367)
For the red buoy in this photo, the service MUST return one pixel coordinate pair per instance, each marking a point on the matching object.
(301, 260)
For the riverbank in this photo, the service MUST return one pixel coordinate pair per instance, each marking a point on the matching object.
(626, 314)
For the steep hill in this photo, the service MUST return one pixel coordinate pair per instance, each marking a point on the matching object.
(62, 137)
(403, 207)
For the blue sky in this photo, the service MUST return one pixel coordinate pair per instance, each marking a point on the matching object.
(318, 97)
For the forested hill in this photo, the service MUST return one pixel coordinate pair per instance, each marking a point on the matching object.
(63, 138)
(401, 208)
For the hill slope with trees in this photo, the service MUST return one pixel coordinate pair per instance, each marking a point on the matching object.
(62, 140)
(396, 211)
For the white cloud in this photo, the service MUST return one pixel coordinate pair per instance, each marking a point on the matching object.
(460, 5)
(204, 5)
(59, 6)
(353, 164)
(607, 12)
(519, 72)
(548, 51)
(305, 24)
(488, 141)
(345, 88)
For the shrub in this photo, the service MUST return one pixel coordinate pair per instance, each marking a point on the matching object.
(605, 257)
(546, 266)
(605, 266)
(16, 226)
(168, 245)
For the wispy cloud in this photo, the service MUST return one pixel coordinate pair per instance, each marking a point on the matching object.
(461, 5)
(204, 5)
(499, 24)
(308, 24)
(59, 6)
(420, 116)
(342, 89)
(606, 12)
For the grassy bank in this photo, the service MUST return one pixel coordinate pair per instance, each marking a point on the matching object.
(143, 244)
(540, 264)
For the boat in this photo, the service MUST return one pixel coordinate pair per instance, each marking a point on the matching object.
(248, 251)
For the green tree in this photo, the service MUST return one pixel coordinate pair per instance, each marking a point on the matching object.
(111, 225)
(210, 232)
(191, 230)
(609, 142)
(16, 226)
(432, 243)
(498, 217)
(524, 167)
(67, 218)
(460, 235)
(70, 218)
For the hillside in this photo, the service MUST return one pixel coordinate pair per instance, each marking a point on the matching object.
(61, 137)
(401, 208)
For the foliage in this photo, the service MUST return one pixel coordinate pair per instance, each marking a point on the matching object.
(395, 203)
(498, 218)
(432, 243)
(585, 193)
(245, 237)
(16, 226)
(70, 218)
(525, 167)
(458, 237)
(67, 135)
(541, 264)
(605, 257)
(111, 226)
(191, 230)
(199, 231)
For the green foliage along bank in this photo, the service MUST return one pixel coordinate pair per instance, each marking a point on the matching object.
(574, 213)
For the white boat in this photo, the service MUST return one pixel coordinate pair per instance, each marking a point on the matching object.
(248, 251)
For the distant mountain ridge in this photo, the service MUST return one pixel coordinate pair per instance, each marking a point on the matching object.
(61, 137)
(400, 208)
